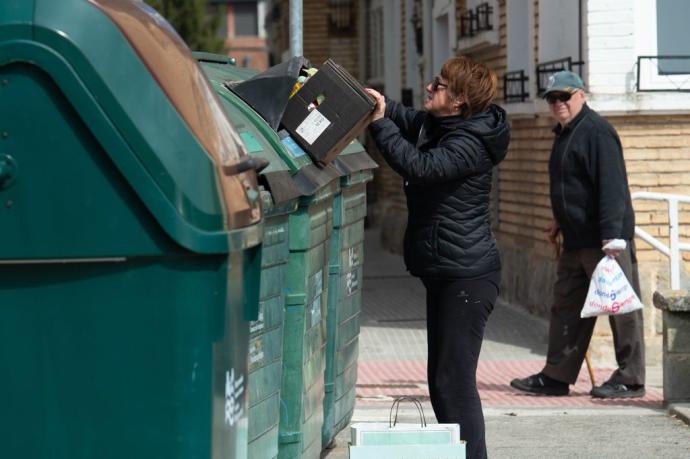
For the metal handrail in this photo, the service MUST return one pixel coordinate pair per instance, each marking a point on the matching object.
(675, 246)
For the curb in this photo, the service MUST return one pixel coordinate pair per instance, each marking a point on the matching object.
(681, 411)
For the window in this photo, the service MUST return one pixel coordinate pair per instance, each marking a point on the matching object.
(341, 16)
(213, 10)
(672, 39)
(246, 19)
(663, 62)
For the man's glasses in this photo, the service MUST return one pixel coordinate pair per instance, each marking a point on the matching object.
(562, 96)
(436, 83)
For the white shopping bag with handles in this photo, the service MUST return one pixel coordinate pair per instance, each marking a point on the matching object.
(609, 291)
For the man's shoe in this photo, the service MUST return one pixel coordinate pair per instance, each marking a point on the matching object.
(540, 384)
(615, 390)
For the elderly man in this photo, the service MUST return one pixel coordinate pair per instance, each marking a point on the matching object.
(591, 205)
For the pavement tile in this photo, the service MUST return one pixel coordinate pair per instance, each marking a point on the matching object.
(380, 382)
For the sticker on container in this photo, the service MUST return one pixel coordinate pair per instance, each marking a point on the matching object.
(316, 310)
(234, 388)
(292, 147)
(258, 324)
(353, 257)
(250, 142)
(313, 126)
(316, 302)
(352, 282)
(256, 354)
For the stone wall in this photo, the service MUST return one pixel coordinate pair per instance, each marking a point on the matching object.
(675, 306)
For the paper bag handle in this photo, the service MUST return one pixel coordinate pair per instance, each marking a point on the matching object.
(396, 404)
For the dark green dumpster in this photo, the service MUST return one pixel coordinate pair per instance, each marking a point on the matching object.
(131, 222)
(266, 333)
(300, 415)
(345, 289)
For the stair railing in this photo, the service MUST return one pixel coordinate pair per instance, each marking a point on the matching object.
(672, 251)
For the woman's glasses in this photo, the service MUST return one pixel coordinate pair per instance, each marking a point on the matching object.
(436, 83)
(562, 96)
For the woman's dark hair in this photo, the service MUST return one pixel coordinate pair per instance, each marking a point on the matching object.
(474, 81)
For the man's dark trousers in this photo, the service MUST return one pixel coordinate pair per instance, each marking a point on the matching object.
(569, 335)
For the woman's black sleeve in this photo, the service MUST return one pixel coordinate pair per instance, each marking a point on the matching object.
(408, 120)
(457, 156)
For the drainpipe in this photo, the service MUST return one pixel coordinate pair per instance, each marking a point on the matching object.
(296, 28)
(579, 34)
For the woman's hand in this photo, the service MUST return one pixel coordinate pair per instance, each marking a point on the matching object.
(380, 109)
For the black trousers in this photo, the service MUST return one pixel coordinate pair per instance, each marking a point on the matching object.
(569, 335)
(457, 311)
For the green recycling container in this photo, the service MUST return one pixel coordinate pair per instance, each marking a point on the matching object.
(302, 393)
(130, 258)
(345, 289)
(286, 400)
(266, 333)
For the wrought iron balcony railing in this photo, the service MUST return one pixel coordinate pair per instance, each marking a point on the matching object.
(476, 20)
(663, 73)
(546, 69)
(514, 86)
(484, 12)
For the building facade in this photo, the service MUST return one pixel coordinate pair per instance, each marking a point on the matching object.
(243, 29)
(617, 46)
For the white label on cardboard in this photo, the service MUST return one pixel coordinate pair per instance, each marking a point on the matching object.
(313, 126)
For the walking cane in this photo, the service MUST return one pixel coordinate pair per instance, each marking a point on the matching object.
(590, 370)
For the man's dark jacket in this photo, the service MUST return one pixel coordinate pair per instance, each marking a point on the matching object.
(446, 164)
(589, 186)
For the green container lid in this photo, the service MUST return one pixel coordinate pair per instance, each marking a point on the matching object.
(135, 85)
(307, 178)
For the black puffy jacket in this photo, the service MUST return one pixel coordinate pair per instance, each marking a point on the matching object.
(446, 164)
(588, 183)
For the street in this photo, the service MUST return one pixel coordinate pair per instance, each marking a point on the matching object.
(393, 363)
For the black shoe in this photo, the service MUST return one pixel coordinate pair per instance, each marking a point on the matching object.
(540, 384)
(615, 390)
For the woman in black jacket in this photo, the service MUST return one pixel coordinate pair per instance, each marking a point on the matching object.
(446, 154)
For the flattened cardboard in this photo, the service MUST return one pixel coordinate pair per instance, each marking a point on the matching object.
(325, 130)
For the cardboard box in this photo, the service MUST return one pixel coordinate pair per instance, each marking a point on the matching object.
(328, 112)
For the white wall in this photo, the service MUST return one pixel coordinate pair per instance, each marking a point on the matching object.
(611, 50)
(617, 32)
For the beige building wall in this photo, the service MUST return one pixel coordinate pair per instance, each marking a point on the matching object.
(321, 40)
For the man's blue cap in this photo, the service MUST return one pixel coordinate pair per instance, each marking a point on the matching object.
(564, 81)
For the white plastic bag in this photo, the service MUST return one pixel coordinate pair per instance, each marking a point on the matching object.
(609, 291)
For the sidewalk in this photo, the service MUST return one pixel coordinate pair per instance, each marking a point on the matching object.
(392, 363)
